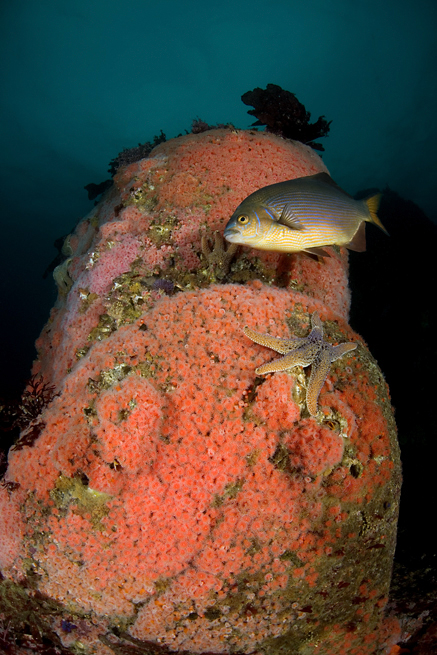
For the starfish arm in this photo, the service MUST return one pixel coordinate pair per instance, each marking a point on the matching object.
(319, 373)
(316, 321)
(303, 352)
(342, 349)
(290, 360)
(275, 343)
(316, 333)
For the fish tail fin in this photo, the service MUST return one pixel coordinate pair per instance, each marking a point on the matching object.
(373, 205)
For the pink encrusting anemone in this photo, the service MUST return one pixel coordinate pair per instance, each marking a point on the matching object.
(172, 496)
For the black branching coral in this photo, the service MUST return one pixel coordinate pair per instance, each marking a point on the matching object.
(282, 114)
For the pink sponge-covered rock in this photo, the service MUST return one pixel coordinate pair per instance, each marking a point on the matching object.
(171, 498)
(312, 450)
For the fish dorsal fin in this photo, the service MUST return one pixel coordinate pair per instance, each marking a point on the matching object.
(324, 177)
(289, 218)
(358, 241)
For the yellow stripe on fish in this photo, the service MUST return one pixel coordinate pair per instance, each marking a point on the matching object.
(303, 214)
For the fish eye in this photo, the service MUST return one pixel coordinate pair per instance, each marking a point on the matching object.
(243, 220)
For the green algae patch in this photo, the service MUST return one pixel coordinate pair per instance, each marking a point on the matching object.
(89, 503)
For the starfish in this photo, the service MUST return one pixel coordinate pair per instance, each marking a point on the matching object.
(303, 352)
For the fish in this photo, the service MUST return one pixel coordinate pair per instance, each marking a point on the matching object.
(303, 214)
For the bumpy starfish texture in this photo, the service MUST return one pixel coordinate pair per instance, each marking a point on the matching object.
(303, 352)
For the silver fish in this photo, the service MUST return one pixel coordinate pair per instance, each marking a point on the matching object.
(303, 214)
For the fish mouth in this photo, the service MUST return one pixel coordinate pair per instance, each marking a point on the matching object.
(231, 233)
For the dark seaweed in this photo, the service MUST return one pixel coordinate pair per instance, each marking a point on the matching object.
(198, 126)
(282, 114)
(95, 190)
(130, 155)
(19, 415)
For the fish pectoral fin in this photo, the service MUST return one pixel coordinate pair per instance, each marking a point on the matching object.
(358, 241)
(289, 219)
(317, 252)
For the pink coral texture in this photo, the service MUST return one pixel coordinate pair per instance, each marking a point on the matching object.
(171, 496)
